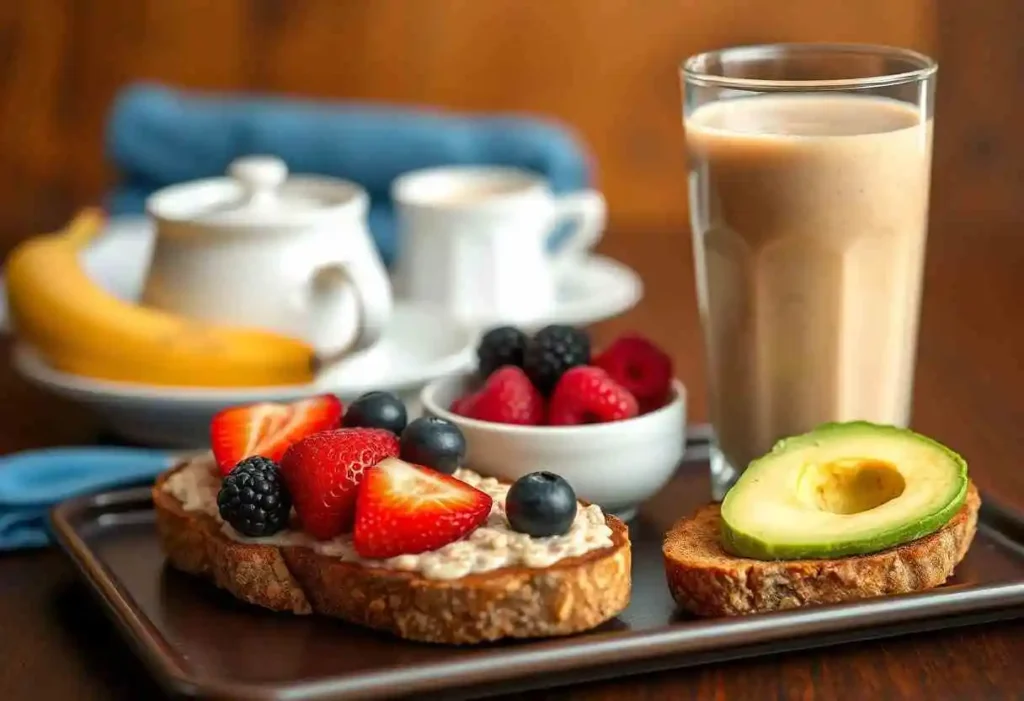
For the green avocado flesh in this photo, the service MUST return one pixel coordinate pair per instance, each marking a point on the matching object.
(843, 489)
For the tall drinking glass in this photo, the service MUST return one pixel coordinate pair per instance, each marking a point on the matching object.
(809, 170)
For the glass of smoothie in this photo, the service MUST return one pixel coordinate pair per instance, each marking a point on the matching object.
(809, 168)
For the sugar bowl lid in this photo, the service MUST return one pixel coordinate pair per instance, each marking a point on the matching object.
(257, 191)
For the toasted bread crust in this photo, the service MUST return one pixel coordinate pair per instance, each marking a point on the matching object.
(573, 595)
(707, 581)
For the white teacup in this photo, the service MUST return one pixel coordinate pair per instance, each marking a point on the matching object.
(475, 240)
(260, 249)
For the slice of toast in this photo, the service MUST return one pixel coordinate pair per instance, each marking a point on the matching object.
(572, 595)
(707, 581)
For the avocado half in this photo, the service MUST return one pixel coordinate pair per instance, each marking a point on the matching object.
(843, 489)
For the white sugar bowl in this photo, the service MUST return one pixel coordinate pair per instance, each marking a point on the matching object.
(258, 248)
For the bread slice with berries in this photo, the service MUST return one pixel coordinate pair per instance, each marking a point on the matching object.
(707, 581)
(570, 595)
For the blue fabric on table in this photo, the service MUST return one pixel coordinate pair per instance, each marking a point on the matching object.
(158, 136)
(32, 482)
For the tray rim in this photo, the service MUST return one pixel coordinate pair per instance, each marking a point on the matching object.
(848, 621)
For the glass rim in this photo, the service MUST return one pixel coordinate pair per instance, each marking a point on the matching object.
(694, 75)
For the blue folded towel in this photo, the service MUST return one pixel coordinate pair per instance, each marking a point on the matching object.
(32, 482)
(158, 137)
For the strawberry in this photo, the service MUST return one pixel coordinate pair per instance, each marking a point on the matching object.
(323, 473)
(508, 397)
(268, 428)
(639, 366)
(407, 509)
(587, 395)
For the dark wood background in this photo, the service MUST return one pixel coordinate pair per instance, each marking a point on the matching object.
(607, 67)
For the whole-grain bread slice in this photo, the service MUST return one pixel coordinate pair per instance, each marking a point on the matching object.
(707, 581)
(570, 596)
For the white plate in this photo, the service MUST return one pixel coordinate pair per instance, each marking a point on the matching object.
(594, 289)
(419, 345)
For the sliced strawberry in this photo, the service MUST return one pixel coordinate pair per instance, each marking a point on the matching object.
(323, 472)
(268, 428)
(404, 509)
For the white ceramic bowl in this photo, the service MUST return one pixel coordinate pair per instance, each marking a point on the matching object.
(616, 465)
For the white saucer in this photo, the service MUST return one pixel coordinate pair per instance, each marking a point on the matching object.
(594, 289)
(419, 345)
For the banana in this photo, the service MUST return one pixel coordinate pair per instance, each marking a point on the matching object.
(80, 328)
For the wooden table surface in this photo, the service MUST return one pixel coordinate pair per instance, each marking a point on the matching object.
(969, 393)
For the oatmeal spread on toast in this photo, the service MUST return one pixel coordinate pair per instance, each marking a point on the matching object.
(492, 546)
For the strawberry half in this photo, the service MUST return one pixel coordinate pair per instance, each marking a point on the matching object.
(268, 428)
(323, 473)
(404, 509)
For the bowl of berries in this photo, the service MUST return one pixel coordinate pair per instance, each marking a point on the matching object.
(612, 423)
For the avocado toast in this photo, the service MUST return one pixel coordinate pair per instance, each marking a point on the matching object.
(847, 511)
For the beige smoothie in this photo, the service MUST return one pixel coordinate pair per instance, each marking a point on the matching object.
(810, 213)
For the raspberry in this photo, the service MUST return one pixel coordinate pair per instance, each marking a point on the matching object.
(587, 395)
(253, 499)
(639, 366)
(508, 397)
(500, 346)
(553, 350)
(463, 406)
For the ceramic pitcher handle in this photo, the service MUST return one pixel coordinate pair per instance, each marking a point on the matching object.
(587, 209)
(330, 286)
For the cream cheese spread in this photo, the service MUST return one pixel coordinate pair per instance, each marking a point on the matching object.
(490, 547)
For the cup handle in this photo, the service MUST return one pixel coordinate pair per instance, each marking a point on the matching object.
(588, 210)
(330, 285)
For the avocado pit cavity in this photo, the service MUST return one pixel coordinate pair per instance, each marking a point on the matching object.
(850, 485)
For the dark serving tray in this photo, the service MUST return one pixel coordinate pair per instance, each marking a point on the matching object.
(200, 642)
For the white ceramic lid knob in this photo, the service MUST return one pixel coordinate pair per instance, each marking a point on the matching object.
(260, 176)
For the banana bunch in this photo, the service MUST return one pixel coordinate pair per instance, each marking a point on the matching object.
(80, 328)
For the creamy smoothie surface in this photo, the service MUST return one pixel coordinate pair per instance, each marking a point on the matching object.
(810, 220)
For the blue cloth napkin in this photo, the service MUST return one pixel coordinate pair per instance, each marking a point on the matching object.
(157, 137)
(32, 482)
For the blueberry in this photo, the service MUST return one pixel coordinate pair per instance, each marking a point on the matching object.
(541, 504)
(433, 443)
(376, 410)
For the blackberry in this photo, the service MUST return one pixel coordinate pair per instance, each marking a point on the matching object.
(553, 350)
(502, 345)
(253, 498)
